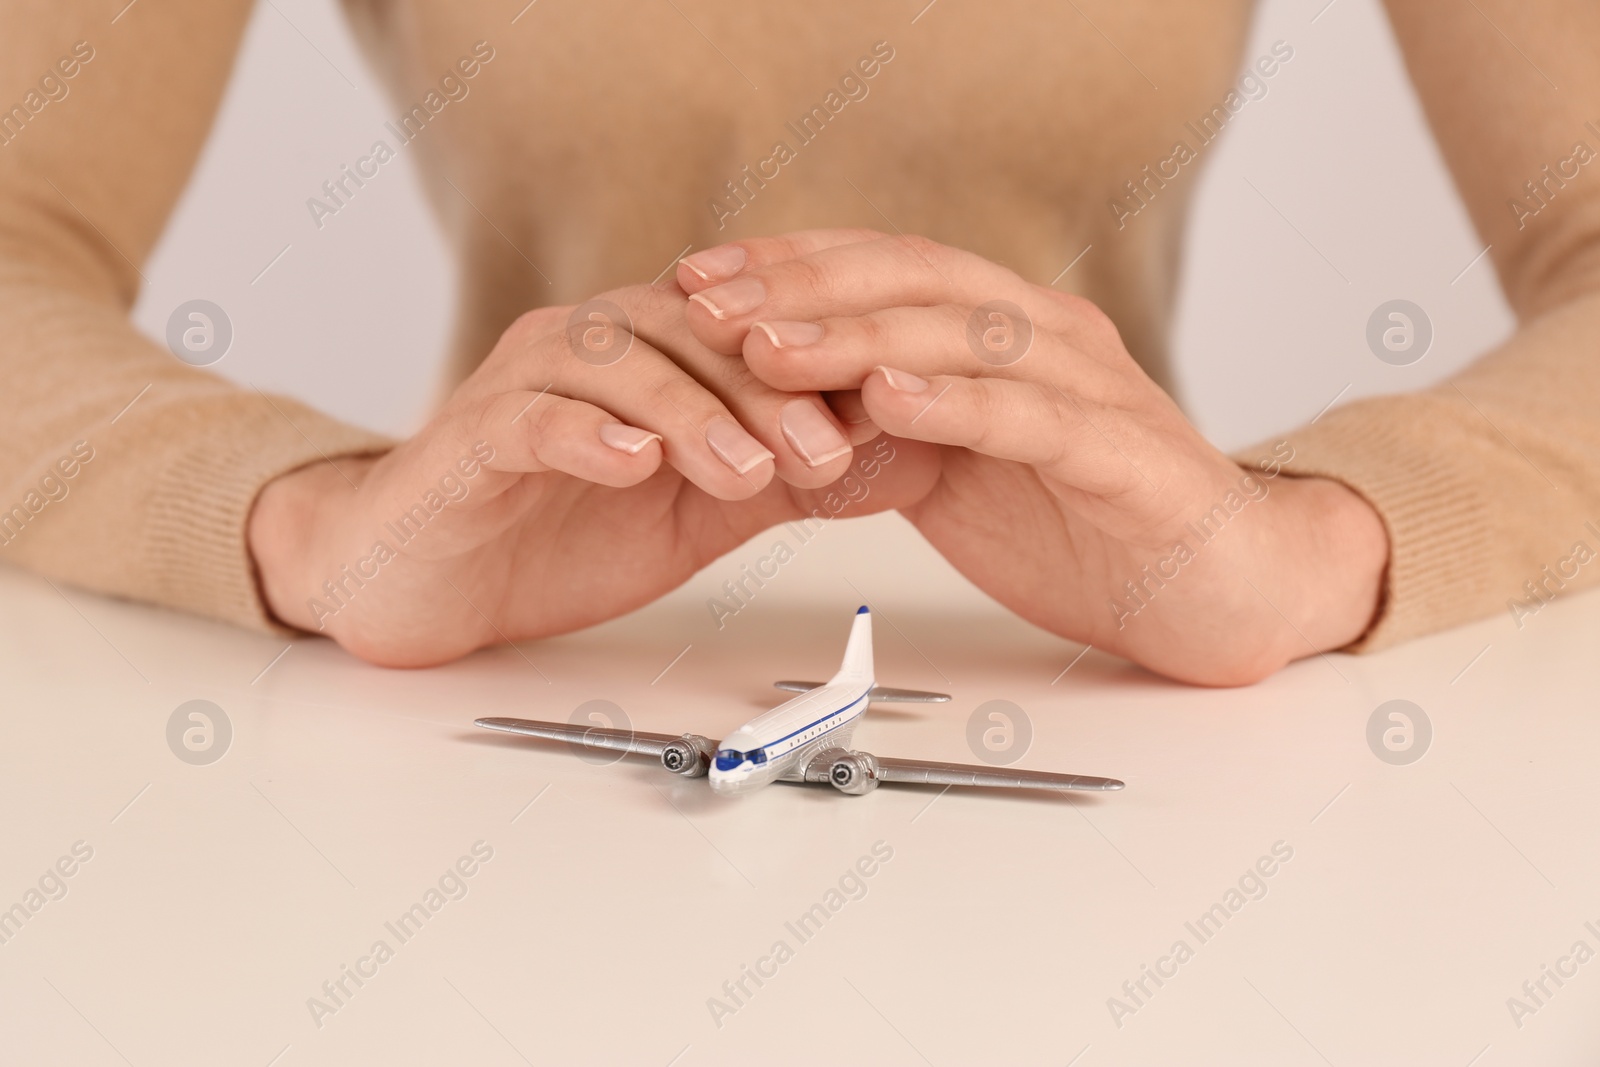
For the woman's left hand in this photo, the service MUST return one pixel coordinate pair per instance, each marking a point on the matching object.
(1071, 487)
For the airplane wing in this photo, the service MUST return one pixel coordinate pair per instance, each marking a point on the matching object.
(924, 773)
(633, 742)
(861, 772)
(879, 692)
(849, 772)
(907, 696)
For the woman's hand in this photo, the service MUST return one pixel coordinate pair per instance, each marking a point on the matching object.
(597, 458)
(1071, 487)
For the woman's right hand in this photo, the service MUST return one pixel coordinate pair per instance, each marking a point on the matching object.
(596, 459)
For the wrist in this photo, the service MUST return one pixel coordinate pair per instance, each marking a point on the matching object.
(1333, 554)
(286, 530)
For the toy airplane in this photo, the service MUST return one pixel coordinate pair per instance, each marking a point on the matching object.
(805, 739)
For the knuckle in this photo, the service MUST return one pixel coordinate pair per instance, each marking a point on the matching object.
(1093, 323)
(526, 343)
(956, 323)
(1099, 324)
(485, 420)
(862, 235)
(805, 241)
(1056, 404)
(979, 404)
(531, 326)
(872, 333)
(920, 251)
(542, 417)
(813, 279)
(649, 303)
(681, 397)
(986, 436)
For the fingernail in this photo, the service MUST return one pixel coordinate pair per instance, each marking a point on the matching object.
(790, 334)
(624, 438)
(734, 446)
(715, 263)
(811, 433)
(903, 380)
(733, 298)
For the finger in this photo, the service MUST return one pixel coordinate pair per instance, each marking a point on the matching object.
(1026, 422)
(477, 458)
(544, 432)
(703, 269)
(848, 280)
(808, 445)
(840, 353)
(701, 438)
(519, 432)
(884, 475)
(600, 361)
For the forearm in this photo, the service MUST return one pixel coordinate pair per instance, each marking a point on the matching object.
(122, 468)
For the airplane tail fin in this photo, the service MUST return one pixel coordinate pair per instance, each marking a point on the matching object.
(857, 665)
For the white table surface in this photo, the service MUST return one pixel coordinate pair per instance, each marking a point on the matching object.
(219, 898)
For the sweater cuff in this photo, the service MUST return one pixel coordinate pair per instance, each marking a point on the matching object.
(194, 549)
(1437, 519)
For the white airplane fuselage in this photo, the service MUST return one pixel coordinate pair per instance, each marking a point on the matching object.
(779, 743)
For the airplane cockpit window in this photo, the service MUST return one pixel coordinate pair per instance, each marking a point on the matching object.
(729, 758)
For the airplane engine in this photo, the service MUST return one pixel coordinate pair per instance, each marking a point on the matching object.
(854, 773)
(690, 755)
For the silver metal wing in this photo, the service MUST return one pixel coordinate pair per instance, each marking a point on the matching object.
(925, 773)
(879, 692)
(861, 772)
(687, 754)
(633, 742)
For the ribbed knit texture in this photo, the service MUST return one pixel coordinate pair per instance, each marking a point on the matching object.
(193, 549)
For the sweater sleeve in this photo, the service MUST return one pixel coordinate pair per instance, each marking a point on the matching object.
(1489, 484)
(1482, 482)
(123, 469)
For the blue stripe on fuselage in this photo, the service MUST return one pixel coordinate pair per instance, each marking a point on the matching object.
(824, 718)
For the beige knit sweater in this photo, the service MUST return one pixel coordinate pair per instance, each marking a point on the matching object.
(598, 137)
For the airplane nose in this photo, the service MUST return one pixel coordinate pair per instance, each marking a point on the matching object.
(726, 783)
